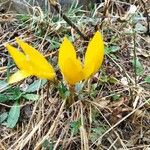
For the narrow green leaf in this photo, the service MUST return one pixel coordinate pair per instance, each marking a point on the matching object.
(139, 67)
(36, 85)
(32, 97)
(113, 80)
(147, 79)
(3, 85)
(11, 94)
(4, 98)
(3, 117)
(23, 17)
(13, 116)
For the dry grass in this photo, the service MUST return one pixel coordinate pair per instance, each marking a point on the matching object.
(113, 110)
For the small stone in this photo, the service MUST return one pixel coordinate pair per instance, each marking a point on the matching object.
(24, 87)
(124, 81)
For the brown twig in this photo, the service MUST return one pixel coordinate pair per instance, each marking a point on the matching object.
(58, 9)
(106, 6)
(47, 88)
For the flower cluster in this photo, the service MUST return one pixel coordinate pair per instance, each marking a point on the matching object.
(31, 63)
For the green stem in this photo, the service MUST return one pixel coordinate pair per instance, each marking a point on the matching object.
(135, 57)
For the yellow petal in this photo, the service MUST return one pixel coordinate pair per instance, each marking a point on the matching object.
(40, 65)
(45, 75)
(18, 76)
(72, 71)
(94, 55)
(70, 66)
(18, 57)
(67, 50)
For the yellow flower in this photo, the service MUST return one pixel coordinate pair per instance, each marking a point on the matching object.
(31, 62)
(71, 67)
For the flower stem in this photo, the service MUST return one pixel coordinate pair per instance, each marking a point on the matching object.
(71, 98)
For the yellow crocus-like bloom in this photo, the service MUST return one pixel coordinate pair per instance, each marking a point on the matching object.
(71, 67)
(31, 62)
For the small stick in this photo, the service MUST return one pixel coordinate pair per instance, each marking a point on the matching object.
(47, 88)
(55, 82)
(135, 57)
(58, 9)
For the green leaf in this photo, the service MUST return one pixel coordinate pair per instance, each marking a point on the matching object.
(36, 85)
(97, 132)
(32, 97)
(79, 87)
(111, 49)
(23, 17)
(3, 117)
(12, 94)
(113, 80)
(63, 90)
(13, 116)
(53, 42)
(48, 145)
(139, 67)
(4, 98)
(75, 125)
(147, 79)
(139, 28)
(107, 50)
(114, 48)
(116, 97)
(3, 85)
